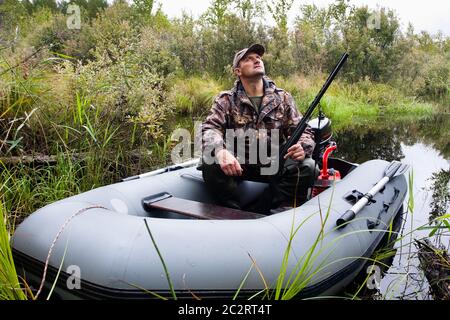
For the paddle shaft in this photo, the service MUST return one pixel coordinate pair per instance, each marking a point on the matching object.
(351, 213)
(394, 169)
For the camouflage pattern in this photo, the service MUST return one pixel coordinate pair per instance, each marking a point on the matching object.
(234, 110)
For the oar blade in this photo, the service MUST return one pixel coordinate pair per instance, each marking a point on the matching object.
(392, 168)
(403, 168)
(396, 168)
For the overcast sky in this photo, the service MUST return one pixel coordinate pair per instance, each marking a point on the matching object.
(429, 15)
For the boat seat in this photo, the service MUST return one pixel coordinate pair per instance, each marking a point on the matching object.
(166, 202)
(247, 191)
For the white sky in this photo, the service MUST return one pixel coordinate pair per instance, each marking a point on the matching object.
(429, 15)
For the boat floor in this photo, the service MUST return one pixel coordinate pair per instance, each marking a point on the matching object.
(165, 202)
(195, 209)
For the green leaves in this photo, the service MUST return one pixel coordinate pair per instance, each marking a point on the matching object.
(411, 191)
(10, 288)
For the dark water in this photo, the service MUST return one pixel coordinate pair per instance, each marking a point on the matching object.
(425, 145)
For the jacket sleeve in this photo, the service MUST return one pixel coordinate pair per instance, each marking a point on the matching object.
(293, 118)
(213, 128)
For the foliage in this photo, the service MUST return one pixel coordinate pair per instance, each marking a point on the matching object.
(220, 44)
(440, 193)
(249, 9)
(379, 50)
(9, 282)
(194, 96)
(217, 12)
(187, 46)
(279, 11)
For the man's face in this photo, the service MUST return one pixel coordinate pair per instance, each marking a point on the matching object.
(250, 66)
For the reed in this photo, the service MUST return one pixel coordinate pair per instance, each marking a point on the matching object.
(10, 287)
(195, 95)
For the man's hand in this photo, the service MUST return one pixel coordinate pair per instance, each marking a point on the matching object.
(228, 163)
(295, 152)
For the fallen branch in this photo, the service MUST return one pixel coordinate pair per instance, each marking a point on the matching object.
(435, 264)
(33, 160)
(49, 160)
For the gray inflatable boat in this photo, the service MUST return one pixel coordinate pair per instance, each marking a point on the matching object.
(118, 241)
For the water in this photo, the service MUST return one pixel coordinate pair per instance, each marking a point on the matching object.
(425, 145)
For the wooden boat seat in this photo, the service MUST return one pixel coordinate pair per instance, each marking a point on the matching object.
(206, 211)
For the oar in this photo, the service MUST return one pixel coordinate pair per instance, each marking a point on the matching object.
(394, 169)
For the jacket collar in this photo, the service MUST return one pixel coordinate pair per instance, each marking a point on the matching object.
(270, 99)
(268, 85)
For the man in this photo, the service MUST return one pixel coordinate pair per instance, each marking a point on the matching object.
(255, 109)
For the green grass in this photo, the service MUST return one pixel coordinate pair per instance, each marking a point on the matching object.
(195, 95)
(10, 288)
(358, 103)
(162, 261)
(25, 189)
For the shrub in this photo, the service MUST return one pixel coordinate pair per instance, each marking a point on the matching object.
(126, 85)
(435, 82)
(195, 95)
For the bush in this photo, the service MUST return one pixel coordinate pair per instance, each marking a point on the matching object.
(373, 93)
(49, 30)
(187, 46)
(435, 81)
(154, 52)
(124, 84)
(195, 95)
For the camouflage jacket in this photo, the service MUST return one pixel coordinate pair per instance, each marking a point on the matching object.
(234, 110)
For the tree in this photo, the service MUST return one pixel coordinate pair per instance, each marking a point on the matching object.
(280, 60)
(248, 9)
(50, 4)
(12, 14)
(145, 7)
(220, 44)
(313, 38)
(279, 11)
(89, 7)
(217, 12)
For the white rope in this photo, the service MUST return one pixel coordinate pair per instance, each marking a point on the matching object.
(56, 239)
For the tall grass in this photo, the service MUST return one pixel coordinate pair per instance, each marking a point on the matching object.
(303, 271)
(25, 189)
(162, 261)
(10, 288)
(362, 101)
(195, 95)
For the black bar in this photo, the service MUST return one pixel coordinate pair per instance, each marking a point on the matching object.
(348, 216)
(306, 117)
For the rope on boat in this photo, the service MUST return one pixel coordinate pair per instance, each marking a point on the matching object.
(56, 239)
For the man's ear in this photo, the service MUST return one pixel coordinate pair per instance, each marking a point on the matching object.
(237, 72)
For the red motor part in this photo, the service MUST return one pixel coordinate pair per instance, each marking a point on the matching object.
(327, 176)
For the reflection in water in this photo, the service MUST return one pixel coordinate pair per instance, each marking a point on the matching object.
(441, 193)
(383, 139)
(425, 145)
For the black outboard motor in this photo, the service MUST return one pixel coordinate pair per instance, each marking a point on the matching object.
(323, 134)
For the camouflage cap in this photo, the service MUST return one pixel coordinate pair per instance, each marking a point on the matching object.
(256, 48)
